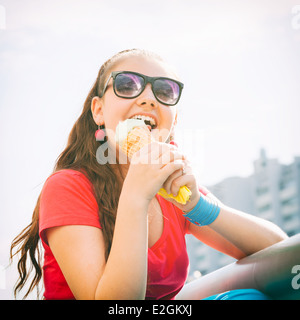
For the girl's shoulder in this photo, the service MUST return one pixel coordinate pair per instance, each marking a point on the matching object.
(67, 176)
(67, 173)
(68, 181)
(67, 198)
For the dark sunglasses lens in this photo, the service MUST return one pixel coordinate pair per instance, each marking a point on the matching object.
(128, 85)
(167, 91)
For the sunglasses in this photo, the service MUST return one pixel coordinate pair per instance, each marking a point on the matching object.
(130, 85)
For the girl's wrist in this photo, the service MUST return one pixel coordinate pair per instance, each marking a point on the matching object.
(134, 196)
(204, 212)
(190, 205)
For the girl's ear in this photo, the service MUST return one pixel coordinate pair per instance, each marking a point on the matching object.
(96, 108)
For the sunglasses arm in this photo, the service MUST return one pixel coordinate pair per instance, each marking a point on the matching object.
(105, 86)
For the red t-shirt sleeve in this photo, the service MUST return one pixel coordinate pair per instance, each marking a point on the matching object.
(67, 199)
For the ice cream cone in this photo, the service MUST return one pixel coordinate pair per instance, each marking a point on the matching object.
(132, 136)
(135, 140)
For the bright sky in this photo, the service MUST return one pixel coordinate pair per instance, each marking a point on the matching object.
(239, 61)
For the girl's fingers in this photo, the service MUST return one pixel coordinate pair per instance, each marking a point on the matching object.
(157, 153)
(170, 156)
(166, 159)
(183, 180)
(169, 153)
(171, 167)
(178, 179)
(168, 182)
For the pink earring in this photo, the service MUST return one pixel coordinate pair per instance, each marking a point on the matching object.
(100, 133)
(174, 143)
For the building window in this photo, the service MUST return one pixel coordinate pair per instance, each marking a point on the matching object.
(289, 202)
(285, 184)
(262, 190)
(265, 208)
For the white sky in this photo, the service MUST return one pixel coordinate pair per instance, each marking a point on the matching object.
(239, 61)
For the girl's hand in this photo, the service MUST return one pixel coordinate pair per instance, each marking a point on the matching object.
(150, 167)
(181, 178)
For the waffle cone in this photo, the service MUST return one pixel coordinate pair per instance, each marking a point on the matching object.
(135, 140)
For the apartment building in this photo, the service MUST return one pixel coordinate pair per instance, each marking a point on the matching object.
(272, 192)
(277, 192)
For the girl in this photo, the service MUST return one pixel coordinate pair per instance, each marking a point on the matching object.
(106, 233)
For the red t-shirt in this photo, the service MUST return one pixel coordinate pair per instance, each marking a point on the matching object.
(68, 199)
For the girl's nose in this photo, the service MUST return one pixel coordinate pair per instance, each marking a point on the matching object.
(147, 99)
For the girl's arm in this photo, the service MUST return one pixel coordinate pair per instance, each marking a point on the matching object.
(79, 251)
(238, 234)
(233, 232)
(125, 274)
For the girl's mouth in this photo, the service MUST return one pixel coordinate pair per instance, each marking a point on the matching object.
(149, 121)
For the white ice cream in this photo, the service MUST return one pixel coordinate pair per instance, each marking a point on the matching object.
(124, 127)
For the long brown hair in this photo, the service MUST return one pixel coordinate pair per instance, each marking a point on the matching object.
(79, 154)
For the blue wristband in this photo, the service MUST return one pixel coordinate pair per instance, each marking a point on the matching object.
(204, 213)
